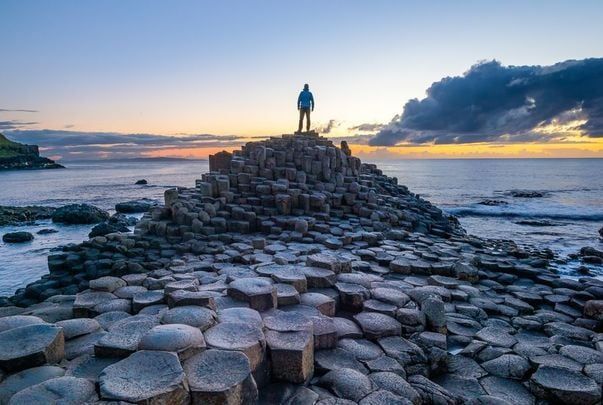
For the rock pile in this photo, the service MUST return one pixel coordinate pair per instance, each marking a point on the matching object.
(293, 273)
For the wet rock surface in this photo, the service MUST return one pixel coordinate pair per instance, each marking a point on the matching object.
(295, 274)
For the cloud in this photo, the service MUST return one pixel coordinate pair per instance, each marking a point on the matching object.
(491, 102)
(326, 129)
(75, 144)
(14, 124)
(9, 110)
(367, 127)
(352, 139)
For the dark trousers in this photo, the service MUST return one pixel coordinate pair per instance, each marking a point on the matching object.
(304, 111)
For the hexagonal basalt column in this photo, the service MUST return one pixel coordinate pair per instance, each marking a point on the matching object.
(259, 292)
(220, 377)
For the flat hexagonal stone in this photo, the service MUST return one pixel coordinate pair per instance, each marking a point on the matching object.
(391, 296)
(124, 336)
(324, 303)
(330, 261)
(325, 332)
(560, 385)
(15, 321)
(260, 293)
(83, 306)
(347, 328)
(382, 397)
(89, 367)
(556, 361)
(509, 390)
(82, 344)
(394, 383)
(376, 325)
(507, 366)
(220, 377)
(584, 355)
(464, 387)
(362, 349)
(318, 278)
(334, 359)
(199, 317)
(26, 378)
(347, 383)
(184, 340)
(31, 346)
(109, 318)
(289, 275)
(61, 390)
(288, 322)
(145, 377)
(108, 284)
(129, 291)
(78, 326)
(146, 299)
(352, 295)
(242, 337)
(567, 330)
(496, 336)
(243, 315)
(385, 363)
(291, 354)
(180, 298)
(286, 294)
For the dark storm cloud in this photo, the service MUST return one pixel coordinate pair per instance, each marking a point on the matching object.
(491, 102)
(113, 144)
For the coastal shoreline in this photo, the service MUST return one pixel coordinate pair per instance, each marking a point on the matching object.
(315, 277)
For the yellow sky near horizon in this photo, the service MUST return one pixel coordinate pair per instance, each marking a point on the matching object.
(586, 148)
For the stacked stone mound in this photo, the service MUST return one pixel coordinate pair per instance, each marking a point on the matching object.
(258, 288)
(277, 184)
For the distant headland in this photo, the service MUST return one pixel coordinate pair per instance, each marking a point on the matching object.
(14, 155)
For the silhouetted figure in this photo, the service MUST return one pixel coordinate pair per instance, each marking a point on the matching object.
(305, 104)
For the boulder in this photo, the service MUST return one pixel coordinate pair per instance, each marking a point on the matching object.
(17, 237)
(135, 206)
(79, 214)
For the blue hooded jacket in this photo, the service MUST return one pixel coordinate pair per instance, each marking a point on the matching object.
(305, 99)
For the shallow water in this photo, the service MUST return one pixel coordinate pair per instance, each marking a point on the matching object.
(572, 201)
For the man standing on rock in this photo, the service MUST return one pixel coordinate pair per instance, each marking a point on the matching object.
(305, 104)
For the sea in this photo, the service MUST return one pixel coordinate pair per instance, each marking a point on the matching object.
(554, 204)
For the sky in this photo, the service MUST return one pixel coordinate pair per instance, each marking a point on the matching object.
(185, 78)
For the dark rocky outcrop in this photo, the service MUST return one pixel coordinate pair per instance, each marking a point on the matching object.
(79, 214)
(17, 237)
(20, 215)
(14, 155)
(135, 206)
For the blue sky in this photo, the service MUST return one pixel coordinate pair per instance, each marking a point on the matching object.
(235, 67)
